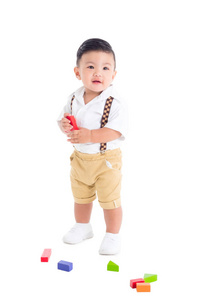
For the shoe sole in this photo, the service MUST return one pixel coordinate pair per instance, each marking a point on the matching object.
(104, 253)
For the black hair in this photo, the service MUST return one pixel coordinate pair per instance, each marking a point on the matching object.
(94, 45)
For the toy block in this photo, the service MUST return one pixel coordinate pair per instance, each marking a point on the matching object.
(111, 266)
(65, 265)
(143, 287)
(73, 122)
(46, 255)
(133, 282)
(150, 277)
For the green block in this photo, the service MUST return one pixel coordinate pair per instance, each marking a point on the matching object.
(111, 266)
(150, 277)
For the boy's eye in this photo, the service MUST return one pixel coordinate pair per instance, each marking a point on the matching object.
(90, 67)
(105, 68)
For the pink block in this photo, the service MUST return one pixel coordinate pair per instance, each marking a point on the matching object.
(134, 281)
(46, 255)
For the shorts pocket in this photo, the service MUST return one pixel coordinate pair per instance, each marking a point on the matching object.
(114, 163)
(72, 157)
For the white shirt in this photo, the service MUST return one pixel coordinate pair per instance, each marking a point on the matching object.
(89, 116)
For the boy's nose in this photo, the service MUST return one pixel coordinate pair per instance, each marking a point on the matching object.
(97, 73)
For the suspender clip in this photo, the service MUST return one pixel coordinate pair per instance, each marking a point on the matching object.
(102, 151)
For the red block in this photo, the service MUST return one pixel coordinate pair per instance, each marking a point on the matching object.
(73, 122)
(134, 281)
(46, 255)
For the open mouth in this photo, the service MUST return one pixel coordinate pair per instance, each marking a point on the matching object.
(96, 81)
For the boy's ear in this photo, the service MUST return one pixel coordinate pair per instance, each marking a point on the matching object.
(77, 73)
(114, 74)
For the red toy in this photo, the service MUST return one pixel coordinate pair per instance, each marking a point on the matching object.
(46, 255)
(133, 282)
(73, 122)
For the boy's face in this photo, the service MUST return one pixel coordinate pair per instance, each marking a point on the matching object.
(96, 70)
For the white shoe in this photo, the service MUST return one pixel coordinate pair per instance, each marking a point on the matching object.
(78, 233)
(111, 244)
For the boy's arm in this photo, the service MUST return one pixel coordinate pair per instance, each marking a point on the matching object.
(104, 135)
(84, 135)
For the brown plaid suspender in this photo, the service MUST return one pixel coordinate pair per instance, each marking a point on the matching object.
(104, 119)
(72, 102)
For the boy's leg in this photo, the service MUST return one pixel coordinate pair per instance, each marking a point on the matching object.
(113, 219)
(82, 230)
(82, 212)
(111, 242)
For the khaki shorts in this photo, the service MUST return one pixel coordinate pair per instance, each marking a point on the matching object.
(97, 173)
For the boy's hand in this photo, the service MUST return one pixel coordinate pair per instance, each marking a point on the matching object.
(65, 124)
(81, 136)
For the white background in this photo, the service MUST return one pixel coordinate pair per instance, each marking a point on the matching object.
(158, 62)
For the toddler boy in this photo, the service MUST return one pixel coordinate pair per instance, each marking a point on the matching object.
(96, 160)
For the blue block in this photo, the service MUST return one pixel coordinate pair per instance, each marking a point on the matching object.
(65, 265)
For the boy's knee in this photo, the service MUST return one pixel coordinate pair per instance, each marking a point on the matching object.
(110, 205)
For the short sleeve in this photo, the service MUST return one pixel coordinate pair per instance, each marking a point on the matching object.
(66, 108)
(118, 118)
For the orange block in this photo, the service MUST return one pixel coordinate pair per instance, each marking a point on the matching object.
(143, 287)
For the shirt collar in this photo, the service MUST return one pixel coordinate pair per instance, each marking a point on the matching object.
(110, 91)
(79, 93)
